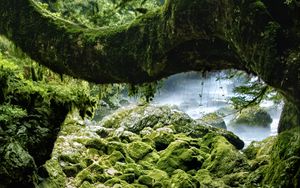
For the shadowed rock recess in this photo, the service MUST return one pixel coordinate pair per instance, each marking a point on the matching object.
(260, 37)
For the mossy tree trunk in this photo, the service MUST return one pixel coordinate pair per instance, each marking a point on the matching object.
(260, 37)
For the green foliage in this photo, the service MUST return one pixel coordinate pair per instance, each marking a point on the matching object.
(11, 114)
(33, 104)
(252, 92)
(98, 13)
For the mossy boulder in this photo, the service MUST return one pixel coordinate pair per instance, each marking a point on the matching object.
(252, 116)
(224, 158)
(15, 160)
(161, 139)
(180, 155)
(158, 176)
(214, 120)
(138, 150)
(259, 148)
(206, 179)
(54, 175)
(91, 174)
(284, 167)
(181, 179)
(136, 118)
(167, 119)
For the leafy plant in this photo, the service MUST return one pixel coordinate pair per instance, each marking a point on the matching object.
(252, 92)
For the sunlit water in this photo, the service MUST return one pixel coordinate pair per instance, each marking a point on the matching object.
(197, 95)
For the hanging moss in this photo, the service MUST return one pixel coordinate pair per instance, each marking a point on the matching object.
(31, 115)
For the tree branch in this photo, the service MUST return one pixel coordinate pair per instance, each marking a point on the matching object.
(179, 37)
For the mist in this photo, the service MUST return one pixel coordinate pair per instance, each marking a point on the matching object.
(197, 94)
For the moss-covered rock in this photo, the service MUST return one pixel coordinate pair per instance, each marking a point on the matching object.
(179, 155)
(284, 167)
(206, 180)
(259, 148)
(252, 116)
(161, 139)
(98, 144)
(187, 159)
(214, 120)
(55, 176)
(115, 156)
(138, 150)
(235, 179)
(164, 119)
(181, 179)
(91, 174)
(224, 158)
(158, 176)
(136, 118)
(115, 182)
(16, 160)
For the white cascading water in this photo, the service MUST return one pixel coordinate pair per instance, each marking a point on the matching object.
(197, 95)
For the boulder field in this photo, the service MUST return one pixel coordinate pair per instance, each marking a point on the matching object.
(160, 146)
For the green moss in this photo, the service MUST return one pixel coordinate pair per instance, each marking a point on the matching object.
(56, 178)
(146, 180)
(132, 168)
(113, 158)
(129, 178)
(98, 144)
(34, 102)
(235, 179)
(181, 179)
(91, 174)
(256, 149)
(114, 120)
(285, 160)
(214, 119)
(136, 185)
(72, 170)
(206, 179)
(16, 160)
(115, 145)
(179, 155)
(161, 139)
(253, 116)
(224, 158)
(138, 150)
(150, 158)
(115, 181)
(155, 177)
(86, 184)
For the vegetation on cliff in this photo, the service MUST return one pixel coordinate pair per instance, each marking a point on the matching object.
(33, 104)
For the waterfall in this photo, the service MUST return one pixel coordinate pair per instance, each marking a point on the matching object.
(197, 94)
